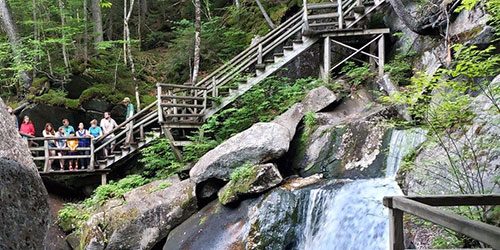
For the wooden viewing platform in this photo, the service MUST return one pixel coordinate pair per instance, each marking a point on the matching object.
(425, 208)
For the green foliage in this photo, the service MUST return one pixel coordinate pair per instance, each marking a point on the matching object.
(262, 103)
(57, 98)
(493, 8)
(73, 216)
(118, 189)
(447, 240)
(242, 172)
(400, 68)
(162, 186)
(159, 161)
(200, 145)
(357, 75)
(467, 5)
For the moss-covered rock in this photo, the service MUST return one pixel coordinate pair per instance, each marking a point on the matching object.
(251, 180)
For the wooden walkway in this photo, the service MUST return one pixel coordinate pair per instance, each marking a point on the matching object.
(181, 110)
(425, 208)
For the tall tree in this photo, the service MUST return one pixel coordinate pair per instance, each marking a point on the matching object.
(97, 20)
(63, 35)
(128, 51)
(264, 13)
(197, 41)
(10, 28)
(86, 34)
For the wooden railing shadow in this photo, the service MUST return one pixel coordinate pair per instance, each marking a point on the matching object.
(425, 208)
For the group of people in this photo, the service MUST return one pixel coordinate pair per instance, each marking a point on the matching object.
(67, 140)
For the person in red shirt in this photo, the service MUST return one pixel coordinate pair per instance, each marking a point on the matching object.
(27, 129)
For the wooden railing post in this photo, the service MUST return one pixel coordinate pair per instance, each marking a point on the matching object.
(160, 112)
(381, 55)
(92, 155)
(341, 14)
(259, 54)
(396, 238)
(46, 156)
(306, 21)
(326, 59)
(204, 101)
(214, 88)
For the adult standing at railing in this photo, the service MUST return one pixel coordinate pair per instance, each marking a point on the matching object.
(50, 132)
(61, 144)
(68, 129)
(130, 112)
(83, 143)
(107, 125)
(27, 129)
(13, 116)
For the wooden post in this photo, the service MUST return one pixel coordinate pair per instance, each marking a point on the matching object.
(381, 56)
(214, 87)
(341, 14)
(326, 58)
(158, 94)
(396, 229)
(103, 179)
(92, 155)
(259, 56)
(46, 155)
(170, 137)
(204, 101)
(304, 17)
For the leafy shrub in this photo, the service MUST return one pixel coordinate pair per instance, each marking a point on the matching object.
(242, 172)
(159, 161)
(400, 69)
(56, 98)
(357, 75)
(118, 189)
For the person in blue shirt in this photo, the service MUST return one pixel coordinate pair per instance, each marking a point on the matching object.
(94, 130)
(68, 129)
(130, 113)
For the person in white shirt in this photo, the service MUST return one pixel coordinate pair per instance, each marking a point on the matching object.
(107, 125)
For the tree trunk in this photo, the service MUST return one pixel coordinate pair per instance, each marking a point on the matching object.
(97, 20)
(264, 13)
(63, 35)
(128, 50)
(197, 42)
(10, 28)
(86, 34)
(237, 4)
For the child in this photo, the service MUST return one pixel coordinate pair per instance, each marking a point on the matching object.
(61, 144)
(72, 145)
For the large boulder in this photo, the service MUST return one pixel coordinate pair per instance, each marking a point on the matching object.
(260, 143)
(143, 220)
(258, 178)
(24, 213)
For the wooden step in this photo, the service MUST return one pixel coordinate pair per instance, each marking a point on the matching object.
(349, 18)
(323, 16)
(278, 54)
(184, 115)
(269, 61)
(299, 41)
(315, 6)
(333, 24)
(181, 143)
(359, 9)
(172, 105)
(261, 66)
(287, 47)
(182, 97)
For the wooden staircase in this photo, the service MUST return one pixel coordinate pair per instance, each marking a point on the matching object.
(181, 110)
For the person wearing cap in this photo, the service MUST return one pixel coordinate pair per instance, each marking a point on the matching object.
(128, 115)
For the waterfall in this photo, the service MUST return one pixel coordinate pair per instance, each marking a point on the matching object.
(352, 216)
(402, 143)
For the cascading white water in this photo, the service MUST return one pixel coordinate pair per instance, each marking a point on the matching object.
(352, 216)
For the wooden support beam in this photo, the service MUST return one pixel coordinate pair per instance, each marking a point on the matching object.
(92, 155)
(170, 137)
(352, 48)
(462, 200)
(46, 155)
(356, 52)
(381, 56)
(305, 17)
(158, 102)
(103, 179)
(356, 32)
(327, 50)
(340, 14)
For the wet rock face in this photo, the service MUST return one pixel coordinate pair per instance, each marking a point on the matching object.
(263, 177)
(272, 221)
(258, 144)
(23, 210)
(143, 220)
(355, 150)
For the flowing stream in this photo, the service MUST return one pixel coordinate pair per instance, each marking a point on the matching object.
(352, 216)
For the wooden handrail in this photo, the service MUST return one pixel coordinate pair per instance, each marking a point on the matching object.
(121, 125)
(173, 86)
(480, 231)
(249, 51)
(50, 138)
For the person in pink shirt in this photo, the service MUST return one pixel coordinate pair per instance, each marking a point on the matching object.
(27, 129)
